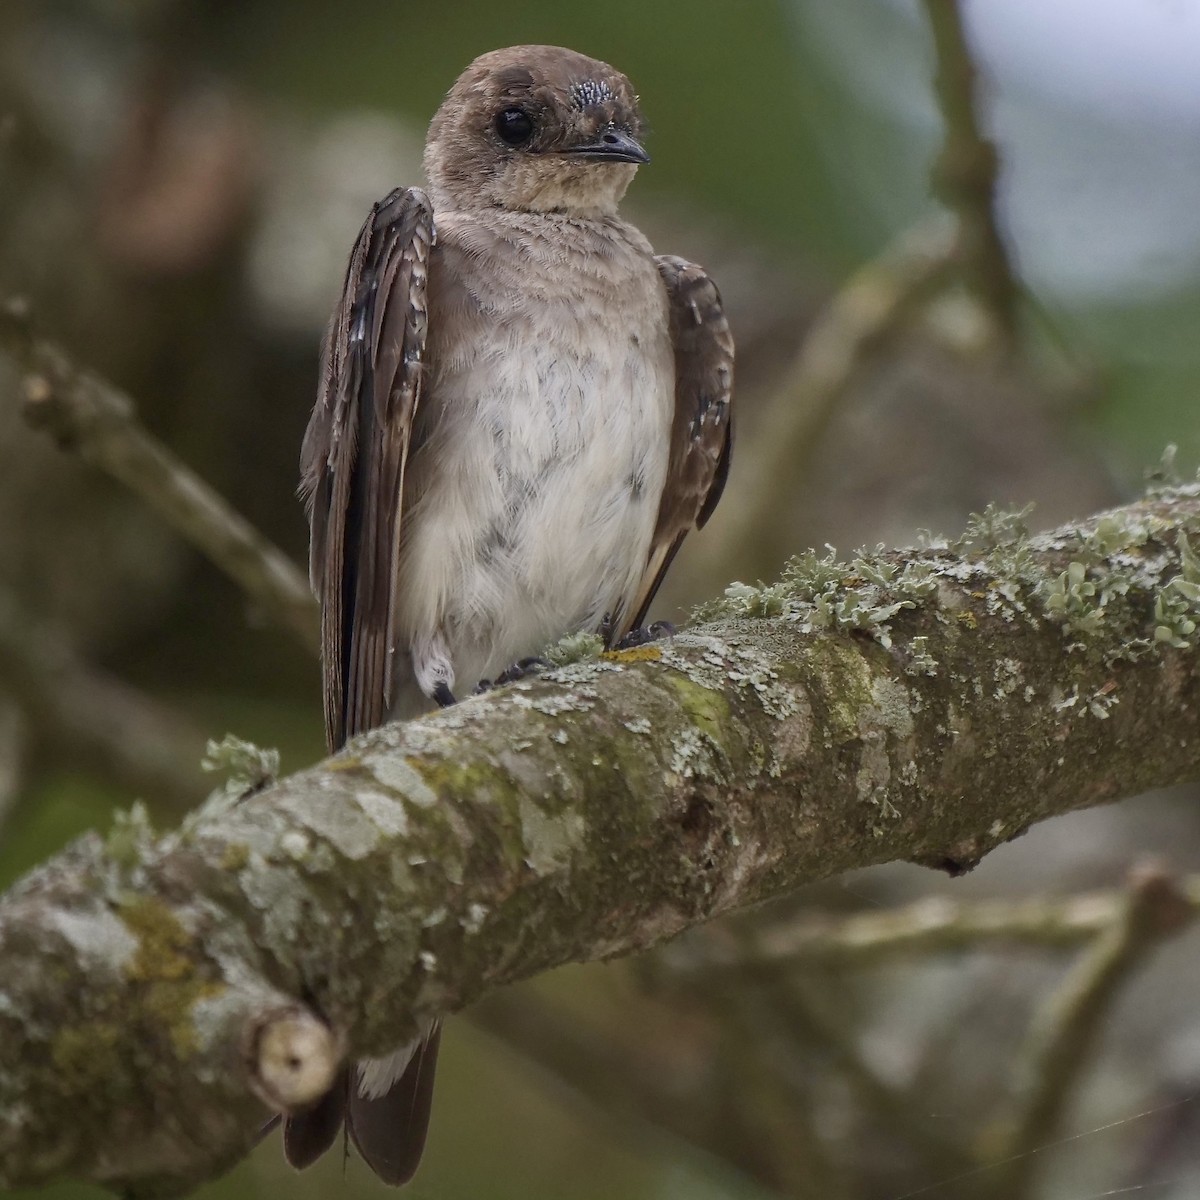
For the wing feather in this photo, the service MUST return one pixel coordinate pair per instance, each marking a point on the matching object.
(702, 429)
(354, 456)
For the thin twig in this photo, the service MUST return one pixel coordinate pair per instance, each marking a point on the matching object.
(99, 422)
(93, 718)
(1063, 1035)
(966, 170)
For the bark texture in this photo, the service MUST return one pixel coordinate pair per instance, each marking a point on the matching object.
(924, 705)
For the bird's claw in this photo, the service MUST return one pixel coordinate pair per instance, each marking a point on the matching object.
(521, 669)
(644, 634)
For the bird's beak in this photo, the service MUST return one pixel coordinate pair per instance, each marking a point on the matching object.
(613, 145)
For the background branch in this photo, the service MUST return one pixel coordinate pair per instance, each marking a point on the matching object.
(853, 329)
(935, 925)
(88, 717)
(1060, 1041)
(878, 302)
(97, 421)
(965, 174)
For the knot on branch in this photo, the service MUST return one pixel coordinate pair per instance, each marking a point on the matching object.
(293, 1059)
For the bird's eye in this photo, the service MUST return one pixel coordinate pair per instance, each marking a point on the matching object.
(514, 126)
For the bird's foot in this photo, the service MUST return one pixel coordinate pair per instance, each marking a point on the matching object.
(645, 633)
(521, 669)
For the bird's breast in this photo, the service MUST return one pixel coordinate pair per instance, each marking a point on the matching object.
(543, 440)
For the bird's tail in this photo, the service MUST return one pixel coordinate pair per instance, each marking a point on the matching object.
(385, 1104)
(308, 1134)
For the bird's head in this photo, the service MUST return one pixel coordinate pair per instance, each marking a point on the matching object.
(535, 129)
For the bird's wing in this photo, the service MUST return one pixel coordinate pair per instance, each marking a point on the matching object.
(352, 476)
(355, 449)
(702, 429)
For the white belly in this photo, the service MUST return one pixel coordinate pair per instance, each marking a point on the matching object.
(532, 501)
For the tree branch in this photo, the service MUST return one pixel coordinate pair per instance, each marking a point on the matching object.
(99, 422)
(924, 706)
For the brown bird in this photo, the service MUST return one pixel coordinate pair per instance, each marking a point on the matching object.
(522, 412)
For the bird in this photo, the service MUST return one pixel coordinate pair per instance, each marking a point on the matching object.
(522, 411)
